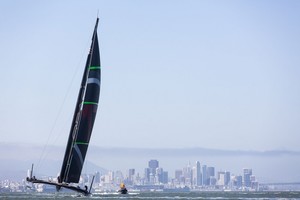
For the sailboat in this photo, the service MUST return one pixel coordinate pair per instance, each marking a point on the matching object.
(82, 124)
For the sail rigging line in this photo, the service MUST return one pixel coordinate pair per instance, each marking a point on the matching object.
(44, 154)
(79, 66)
(76, 125)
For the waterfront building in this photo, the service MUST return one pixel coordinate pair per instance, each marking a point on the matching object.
(237, 181)
(179, 176)
(198, 174)
(147, 175)
(159, 175)
(194, 174)
(130, 179)
(227, 178)
(247, 175)
(117, 177)
(150, 172)
(204, 175)
(210, 175)
(152, 179)
(187, 174)
(252, 178)
(221, 178)
(97, 177)
(212, 181)
(165, 178)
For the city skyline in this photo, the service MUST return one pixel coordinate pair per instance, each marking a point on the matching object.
(155, 177)
(15, 163)
(191, 177)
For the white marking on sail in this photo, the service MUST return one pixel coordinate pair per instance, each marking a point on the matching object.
(78, 153)
(93, 80)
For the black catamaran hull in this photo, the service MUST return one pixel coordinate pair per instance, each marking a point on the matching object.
(82, 123)
(59, 185)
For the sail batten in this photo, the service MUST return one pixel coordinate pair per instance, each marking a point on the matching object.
(94, 67)
(84, 116)
(83, 143)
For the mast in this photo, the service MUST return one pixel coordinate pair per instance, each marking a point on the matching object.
(84, 116)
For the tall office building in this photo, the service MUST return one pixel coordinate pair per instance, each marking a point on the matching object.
(247, 175)
(165, 177)
(204, 175)
(210, 175)
(239, 181)
(198, 174)
(159, 175)
(97, 177)
(210, 171)
(187, 174)
(227, 177)
(194, 178)
(178, 175)
(147, 175)
(221, 178)
(152, 179)
(131, 173)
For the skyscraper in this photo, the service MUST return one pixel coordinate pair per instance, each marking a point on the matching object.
(165, 177)
(210, 174)
(204, 175)
(198, 174)
(227, 177)
(131, 173)
(97, 177)
(221, 178)
(187, 174)
(247, 175)
(178, 175)
(147, 175)
(159, 175)
(239, 181)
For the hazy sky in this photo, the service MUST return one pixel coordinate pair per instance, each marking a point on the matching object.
(213, 74)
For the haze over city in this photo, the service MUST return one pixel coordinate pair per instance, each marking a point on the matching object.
(177, 76)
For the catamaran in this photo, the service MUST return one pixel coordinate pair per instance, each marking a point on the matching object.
(82, 124)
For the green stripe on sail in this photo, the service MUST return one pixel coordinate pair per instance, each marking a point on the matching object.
(90, 103)
(84, 143)
(94, 67)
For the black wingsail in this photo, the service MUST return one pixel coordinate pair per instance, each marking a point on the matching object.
(84, 116)
(82, 124)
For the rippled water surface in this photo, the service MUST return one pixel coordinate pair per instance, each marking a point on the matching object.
(161, 196)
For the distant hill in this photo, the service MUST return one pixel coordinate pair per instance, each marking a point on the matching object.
(16, 159)
(17, 170)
